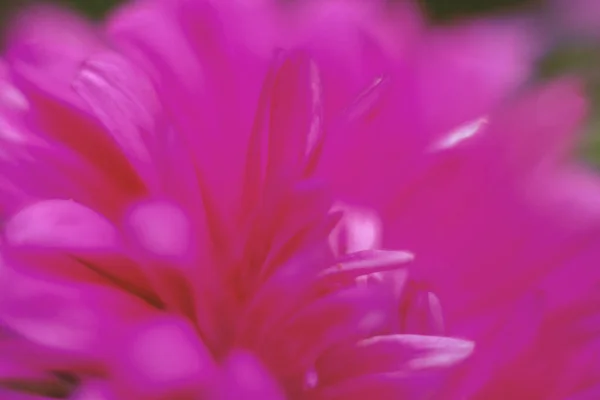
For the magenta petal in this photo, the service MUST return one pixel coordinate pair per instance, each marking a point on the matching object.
(179, 263)
(30, 361)
(492, 56)
(61, 224)
(162, 358)
(541, 128)
(12, 371)
(295, 117)
(363, 263)
(245, 378)
(94, 391)
(12, 395)
(72, 126)
(33, 383)
(66, 239)
(407, 354)
(500, 346)
(349, 314)
(289, 287)
(385, 386)
(68, 319)
(47, 45)
(161, 229)
(586, 394)
(421, 312)
(111, 85)
(38, 319)
(359, 229)
(193, 90)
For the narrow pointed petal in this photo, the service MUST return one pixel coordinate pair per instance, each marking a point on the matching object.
(363, 263)
(295, 118)
(407, 354)
(349, 314)
(111, 85)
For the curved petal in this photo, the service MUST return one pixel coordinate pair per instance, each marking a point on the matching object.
(162, 358)
(403, 354)
(243, 377)
(60, 224)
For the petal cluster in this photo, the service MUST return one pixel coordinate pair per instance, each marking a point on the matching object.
(210, 199)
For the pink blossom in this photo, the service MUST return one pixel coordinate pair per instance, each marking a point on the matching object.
(212, 199)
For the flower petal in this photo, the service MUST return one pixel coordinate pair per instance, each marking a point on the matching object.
(245, 378)
(408, 354)
(344, 315)
(61, 224)
(162, 358)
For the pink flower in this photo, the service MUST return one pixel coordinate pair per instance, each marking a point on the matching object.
(206, 199)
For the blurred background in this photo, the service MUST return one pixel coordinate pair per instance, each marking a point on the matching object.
(570, 52)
